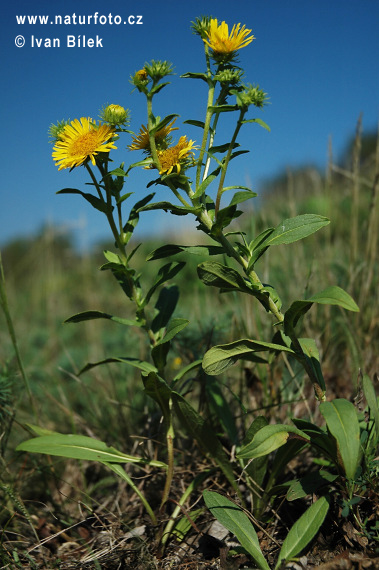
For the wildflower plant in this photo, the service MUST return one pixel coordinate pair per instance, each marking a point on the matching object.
(194, 173)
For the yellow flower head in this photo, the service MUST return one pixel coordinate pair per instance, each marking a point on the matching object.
(223, 43)
(81, 140)
(176, 156)
(142, 142)
(141, 75)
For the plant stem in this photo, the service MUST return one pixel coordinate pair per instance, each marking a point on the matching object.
(170, 434)
(227, 160)
(207, 123)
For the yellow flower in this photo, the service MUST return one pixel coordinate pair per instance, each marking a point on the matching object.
(81, 140)
(141, 75)
(223, 43)
(175, 156)
(142, 142)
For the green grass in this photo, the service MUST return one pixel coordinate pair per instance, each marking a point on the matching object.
(47, 282)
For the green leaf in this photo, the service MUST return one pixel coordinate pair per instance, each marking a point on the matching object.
(221, 357)
(192, 75)
(144, 162)
(309, 484)
(221, 147)
(335, 296)
(174, 328)
(90, 315)
(141, 364)
(236, 521)
(80, 447)
(240, 197)
(133, 219)
(165, 273)
(294, 229)
(223, 108)
(200, 124)
(171, 249)
(302, 532)
(96, 202)
(214, 274)
(183, 371)
(341, 418)
(165, 307)
(118, 172)
(163, 123)
(312, 355)
(221, 409)
(205, 183)
(158, 87)
(372, 402)
(268, 439)
(259, 121)
(173, 208)
(158, 389)
(293, 314)
(224, 217)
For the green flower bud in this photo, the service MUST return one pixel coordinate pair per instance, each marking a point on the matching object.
(229, 75)
(157, 70)
(250, 95)
(201, 26)
(115, 115)
(55, 131)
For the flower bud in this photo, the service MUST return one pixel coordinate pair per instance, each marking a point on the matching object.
(55, 131)
(115, 115)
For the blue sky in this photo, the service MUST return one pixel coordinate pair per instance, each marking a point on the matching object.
(317, 60)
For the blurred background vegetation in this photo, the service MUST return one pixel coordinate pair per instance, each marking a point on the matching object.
(47, 281)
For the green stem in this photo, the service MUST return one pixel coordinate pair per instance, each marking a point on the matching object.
(170, 435)
(227, 160)
(150, 126)
(207, 123)
(108, 209)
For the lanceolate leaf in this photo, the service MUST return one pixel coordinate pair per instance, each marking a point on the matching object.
(236, 521)
(171, 249)
(215, 274)
(259, 121)
(165, 273)
(268, 439)
(80, 447)
(341, 418)
(173, 208)
(142, 365)
(89, 315)
(163, 123)
(304, 529)
(293, 229)
(221, 357)
(96, 202)
(240, 197)
(335, 296)
(372, 402)
(330, 296)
